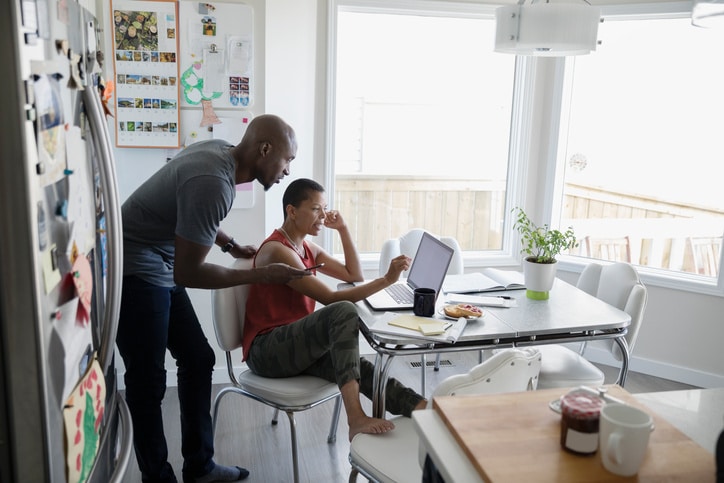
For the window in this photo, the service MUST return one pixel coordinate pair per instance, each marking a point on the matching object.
(421, 125)
(641, 145)
(431, 128)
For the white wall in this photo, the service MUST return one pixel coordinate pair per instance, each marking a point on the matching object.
(682, 332)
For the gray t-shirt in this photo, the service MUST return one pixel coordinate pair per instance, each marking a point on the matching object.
(187, 197)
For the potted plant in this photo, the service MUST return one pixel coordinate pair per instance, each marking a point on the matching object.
(541, 245)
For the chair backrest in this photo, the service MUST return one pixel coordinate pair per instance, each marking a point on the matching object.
(508, 370)
(228, 308)
(619, 285)
(407, 245)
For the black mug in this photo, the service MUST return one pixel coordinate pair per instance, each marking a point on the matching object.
(424, 302)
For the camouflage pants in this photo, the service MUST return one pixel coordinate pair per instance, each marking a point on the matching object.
(325, 344)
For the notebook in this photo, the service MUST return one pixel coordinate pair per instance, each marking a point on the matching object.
(490, 280)
(428, 270)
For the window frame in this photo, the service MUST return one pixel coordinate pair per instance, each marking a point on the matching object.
(538, 101)
(523, 89)
(659, 277)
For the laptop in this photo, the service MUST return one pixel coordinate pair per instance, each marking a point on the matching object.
(428, 270)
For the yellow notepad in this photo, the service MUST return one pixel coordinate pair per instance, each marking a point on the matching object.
(421, 324)
(434, 328)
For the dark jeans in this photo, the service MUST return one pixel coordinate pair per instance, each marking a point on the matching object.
(152, 320)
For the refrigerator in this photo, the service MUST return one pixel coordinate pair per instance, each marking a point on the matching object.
(61, 417)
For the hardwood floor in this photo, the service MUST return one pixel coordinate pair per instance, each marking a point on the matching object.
(245, 437)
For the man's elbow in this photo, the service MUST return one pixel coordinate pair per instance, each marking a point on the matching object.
(183, 278)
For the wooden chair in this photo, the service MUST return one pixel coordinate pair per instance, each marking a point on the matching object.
(397, 456)
(288, 394)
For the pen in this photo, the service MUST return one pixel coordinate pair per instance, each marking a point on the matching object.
(447, 326)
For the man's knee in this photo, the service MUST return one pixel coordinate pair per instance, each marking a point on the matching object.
(200, 360)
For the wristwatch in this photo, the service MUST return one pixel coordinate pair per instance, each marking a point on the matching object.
(226, 248)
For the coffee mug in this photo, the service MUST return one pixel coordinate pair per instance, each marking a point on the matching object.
(424, 302)
(624, 437)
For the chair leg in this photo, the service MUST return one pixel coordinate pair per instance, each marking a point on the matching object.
(353, 475)
(295, 457)
(437, 362)
(582, 349)
(217, 401)
(332, 437)
(275, 418)
(423, 368)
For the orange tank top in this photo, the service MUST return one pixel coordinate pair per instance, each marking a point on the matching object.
(275, 305)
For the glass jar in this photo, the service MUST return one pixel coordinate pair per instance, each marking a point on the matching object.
(580, 413)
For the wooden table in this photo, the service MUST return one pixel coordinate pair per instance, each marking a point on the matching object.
(516, 437)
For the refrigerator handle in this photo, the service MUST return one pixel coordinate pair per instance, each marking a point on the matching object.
(114, 227)
(126, 444)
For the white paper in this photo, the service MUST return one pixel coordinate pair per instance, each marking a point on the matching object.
(81, 199)
(239, 55)
(75, 339)
(483, 301)
(231, 129)
(213, 71)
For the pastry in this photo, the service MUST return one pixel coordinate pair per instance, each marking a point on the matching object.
(462, 310)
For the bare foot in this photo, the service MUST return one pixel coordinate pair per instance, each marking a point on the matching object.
(365, 424)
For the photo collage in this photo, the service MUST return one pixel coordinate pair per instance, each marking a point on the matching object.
(146, 65)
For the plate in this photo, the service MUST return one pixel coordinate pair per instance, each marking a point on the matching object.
(470, 317)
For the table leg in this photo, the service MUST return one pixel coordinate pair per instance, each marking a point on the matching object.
(379, 384)
(623, 372)
(423, 372)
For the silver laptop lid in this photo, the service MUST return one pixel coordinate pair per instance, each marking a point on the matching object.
(430, 264)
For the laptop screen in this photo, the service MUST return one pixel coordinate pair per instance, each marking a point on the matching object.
(430, 264)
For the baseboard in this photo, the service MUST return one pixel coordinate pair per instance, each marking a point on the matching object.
(658, 369)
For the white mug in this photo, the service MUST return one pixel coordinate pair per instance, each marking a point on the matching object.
(623, 438)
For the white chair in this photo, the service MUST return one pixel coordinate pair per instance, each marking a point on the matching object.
(617, 284)
(289, 394)
(407, 245)
(397, 456)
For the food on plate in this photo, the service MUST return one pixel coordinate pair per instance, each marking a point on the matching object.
(462, 310)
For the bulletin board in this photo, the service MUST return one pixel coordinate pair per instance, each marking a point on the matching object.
(217, 47)
(145, 61)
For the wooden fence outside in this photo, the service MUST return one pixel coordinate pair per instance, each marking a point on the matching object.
(658, 234)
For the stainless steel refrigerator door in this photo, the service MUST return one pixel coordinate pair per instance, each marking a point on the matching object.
(31, 423)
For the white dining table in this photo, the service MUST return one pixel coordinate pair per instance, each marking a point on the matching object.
(569, 315)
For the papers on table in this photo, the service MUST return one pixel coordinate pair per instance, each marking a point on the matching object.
(480, 300)
(408, 326)
(489, 280)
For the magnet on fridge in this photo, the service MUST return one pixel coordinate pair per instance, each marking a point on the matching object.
(61, 209)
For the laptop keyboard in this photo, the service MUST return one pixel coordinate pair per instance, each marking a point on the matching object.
(400, 293)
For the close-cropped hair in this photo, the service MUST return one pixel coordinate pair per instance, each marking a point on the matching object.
(298, 191)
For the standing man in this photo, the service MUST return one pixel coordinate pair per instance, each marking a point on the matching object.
(170, 223)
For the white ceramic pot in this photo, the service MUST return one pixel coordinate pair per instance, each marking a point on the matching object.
(539, 278)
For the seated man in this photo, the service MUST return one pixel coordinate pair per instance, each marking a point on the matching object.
(283, 334)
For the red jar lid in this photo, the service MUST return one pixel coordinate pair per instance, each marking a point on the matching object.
(581, 405)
